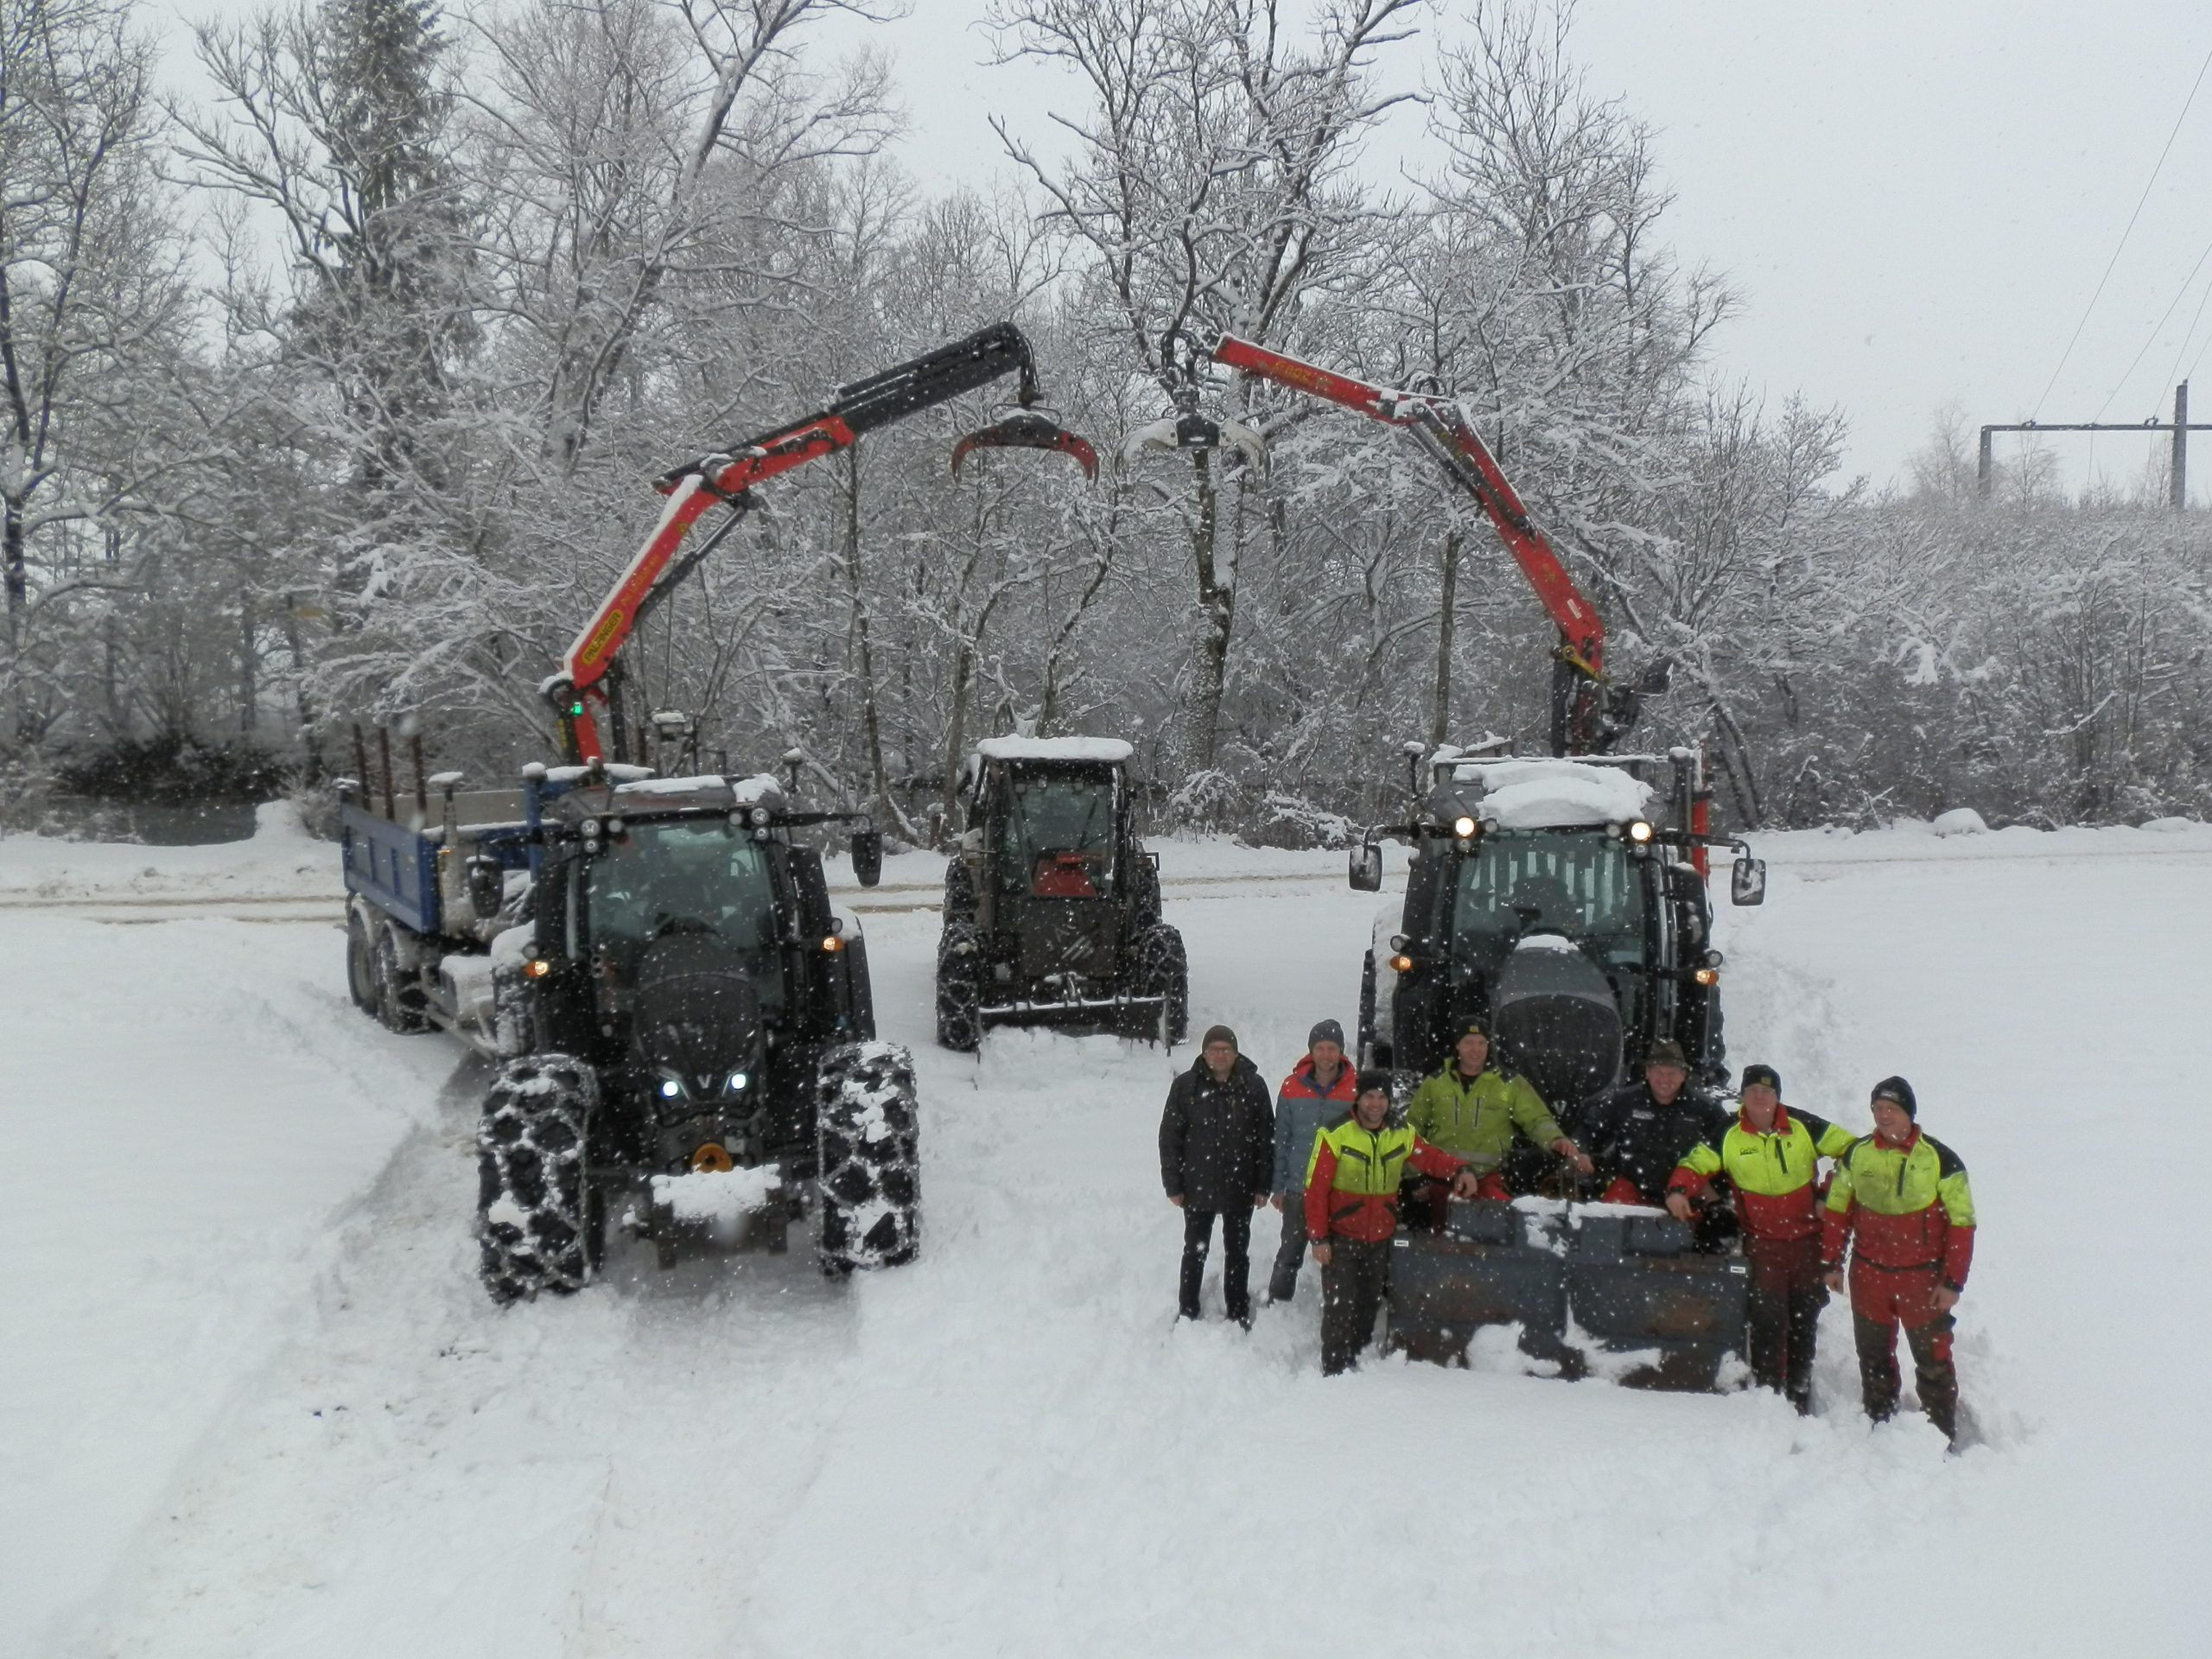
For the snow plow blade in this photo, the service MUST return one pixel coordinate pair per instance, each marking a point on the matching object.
(1596, 1290)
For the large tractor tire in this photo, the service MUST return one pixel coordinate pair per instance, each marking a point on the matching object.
(540, 1222)
(1164, 971)
(360, 963)
(867, 1133)
(960, 989)
(959, 892)
(399, 988)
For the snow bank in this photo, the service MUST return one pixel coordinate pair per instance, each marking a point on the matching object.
(1542, 794)
(281, 860)
(1110, 750)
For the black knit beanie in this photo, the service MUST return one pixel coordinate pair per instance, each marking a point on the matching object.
(1378, 1082)
(1755, 1075)
(1898, 1093)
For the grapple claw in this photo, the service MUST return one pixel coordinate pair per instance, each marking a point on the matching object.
(1027, 430)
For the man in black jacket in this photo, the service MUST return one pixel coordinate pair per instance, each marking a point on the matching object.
(1217, 1149)
(1639, 1132)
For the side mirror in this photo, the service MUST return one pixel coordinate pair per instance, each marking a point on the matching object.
(867, 856)
(1747, 883)
(488, 887)
(1366, 872)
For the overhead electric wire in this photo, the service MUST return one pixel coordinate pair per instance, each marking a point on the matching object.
(2180, 294)
(2191, 335)
(2124, 235)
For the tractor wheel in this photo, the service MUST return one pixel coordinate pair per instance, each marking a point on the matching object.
(869, 1172)
(360, 964)
(399, 991)
(960, 989)
(541, 1224)
(1164, 971)
(1364, 1053)
(959, 892)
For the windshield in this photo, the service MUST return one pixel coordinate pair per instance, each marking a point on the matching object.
(666, 879)
(1058, 834)
(1585, 887)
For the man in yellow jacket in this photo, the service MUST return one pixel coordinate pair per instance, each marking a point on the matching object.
(1901, 1201)
(1770, 1154)
(1472, 1110)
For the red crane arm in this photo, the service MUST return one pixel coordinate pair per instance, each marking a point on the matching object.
(934, 377)
(1445, 434)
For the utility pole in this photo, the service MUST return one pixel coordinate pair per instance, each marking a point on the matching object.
(2181, 426)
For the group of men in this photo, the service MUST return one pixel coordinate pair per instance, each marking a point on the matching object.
(1326, 1153)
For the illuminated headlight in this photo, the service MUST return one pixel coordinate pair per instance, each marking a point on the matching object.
(1639, 831)
(737, 1082)
(1464, 828)
(669, 1087)
(1707, 975)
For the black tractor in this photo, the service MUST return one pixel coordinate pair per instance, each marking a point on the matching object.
(1543, 901)
(1052, 904)
(687, 1031)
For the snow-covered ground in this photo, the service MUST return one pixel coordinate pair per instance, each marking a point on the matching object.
(251, 1400)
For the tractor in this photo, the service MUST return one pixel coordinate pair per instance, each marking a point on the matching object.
(1052, 904)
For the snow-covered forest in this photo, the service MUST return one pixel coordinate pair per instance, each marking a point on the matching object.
(334, 391)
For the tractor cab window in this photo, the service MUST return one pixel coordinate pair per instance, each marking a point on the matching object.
(1585, 887)
(1056, 835)
(665, 878)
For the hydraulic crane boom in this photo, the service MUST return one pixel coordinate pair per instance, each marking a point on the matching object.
(1589, 712)
(590, 672)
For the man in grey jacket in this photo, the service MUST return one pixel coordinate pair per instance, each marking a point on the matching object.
(1319, 1090)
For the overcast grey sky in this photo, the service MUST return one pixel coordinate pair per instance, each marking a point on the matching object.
(1916, 198)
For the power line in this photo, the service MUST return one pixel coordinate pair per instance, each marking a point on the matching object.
(2190, 335)
(2125, 233)
(2180, 294)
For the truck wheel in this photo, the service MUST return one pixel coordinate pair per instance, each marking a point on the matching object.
(540, 1223)
(959, 891)
(960, 989)
(360, 963)
(514, 1027)
(399, 993)
(1164, 971)
(869, 1169)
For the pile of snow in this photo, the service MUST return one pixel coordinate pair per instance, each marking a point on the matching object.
(282, 860)
(1109, 751)
(1960, 821)
(715, 1195)
(1547, 794)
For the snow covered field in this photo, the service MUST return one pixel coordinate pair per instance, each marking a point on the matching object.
(253, 1402)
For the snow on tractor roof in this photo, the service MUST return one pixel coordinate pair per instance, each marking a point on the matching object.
(1554, 794)
(1105, 751)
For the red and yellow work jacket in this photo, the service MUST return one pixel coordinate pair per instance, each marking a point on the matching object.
(1902, 1207)
(1772, 1171)
(1351, 1180)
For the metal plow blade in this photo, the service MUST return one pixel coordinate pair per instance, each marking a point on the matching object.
(1027, 430)
(1595, 1290)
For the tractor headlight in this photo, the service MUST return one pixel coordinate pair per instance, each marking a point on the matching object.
(759, 818)
(1464, 828)
(590, 828)
(1640, 831)
(1707, 975)
(736, 1083)
(670, 1089)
